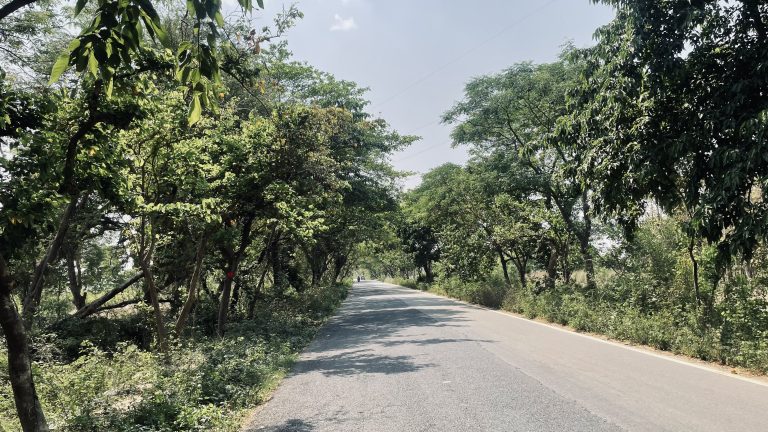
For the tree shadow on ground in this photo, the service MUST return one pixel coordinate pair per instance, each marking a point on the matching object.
(362, 361)
(431, 341)
(292, 425)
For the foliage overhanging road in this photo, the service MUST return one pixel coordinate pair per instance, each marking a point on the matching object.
(395, 359)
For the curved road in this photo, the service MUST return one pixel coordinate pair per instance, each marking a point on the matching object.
(395, 359)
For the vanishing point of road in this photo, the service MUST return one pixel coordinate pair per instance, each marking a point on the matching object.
(395, 359)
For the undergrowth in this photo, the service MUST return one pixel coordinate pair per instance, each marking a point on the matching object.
(204, 383)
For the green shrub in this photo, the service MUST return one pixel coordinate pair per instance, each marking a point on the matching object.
(201, 384)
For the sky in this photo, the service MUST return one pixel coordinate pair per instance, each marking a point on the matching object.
(417, 55)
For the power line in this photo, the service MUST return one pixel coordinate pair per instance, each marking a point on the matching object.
(419, 152)
(422, 127)
(462, 55)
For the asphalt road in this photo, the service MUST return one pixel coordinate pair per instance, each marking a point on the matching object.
(395, 359)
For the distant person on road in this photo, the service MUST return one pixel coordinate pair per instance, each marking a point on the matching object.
(358, 279)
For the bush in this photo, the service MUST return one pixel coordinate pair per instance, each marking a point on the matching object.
(201, 384)
(489, 293)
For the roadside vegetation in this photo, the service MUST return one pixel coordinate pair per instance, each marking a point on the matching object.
(104, 375)
(179, 207)
(619, 190)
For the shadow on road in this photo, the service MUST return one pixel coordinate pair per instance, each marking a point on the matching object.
(359, 361)
(292, 425)
(372, 319)
(374, 333)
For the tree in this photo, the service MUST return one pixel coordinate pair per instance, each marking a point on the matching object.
(679, 117)
(515, 114)
(45, 181)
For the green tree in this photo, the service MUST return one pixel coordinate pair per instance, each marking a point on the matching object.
(677, 116)
(515, 114)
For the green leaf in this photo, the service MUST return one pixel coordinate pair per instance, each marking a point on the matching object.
(219, 19)
(61, 65)
(260, 3)
(79, 6)
(93, 64)
(110, 86)
(195, 110)
(162, 36)
(73, 45)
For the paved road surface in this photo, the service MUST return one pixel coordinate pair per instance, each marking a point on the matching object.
(395, 359)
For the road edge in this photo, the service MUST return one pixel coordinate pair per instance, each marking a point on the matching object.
(733, 372)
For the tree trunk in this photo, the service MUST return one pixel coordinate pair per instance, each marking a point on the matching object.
(521, 264)
(153, 297)
(75, 286)
(504, 267)
(231, 272)
(256, 292)
(34, 294)
(235, 297)
(28, 406)
(275, 259)
(181, 322)
(429, 276)
(584, 246)
(339, 261)
(552, 269)
(317, 260)
(695, 264)
(226, 291)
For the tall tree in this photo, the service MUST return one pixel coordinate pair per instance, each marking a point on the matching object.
(682, 116)
(515, 113)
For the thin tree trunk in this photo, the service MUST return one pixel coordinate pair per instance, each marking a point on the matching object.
(221, 319)
(520, 265)
(181, 322)
(504, 268)
(153, 297)
(28, 406)
(695, 264)
(75, 287)
(127, 303)
(584, 246)
(34, 294)
(552, 269)
(235, 296)
(256, 292)
(277, 268)
(234, 263)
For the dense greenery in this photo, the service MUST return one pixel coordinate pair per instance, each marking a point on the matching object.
(102, 374)
(177, 210)
(181, 202)
(619, 190)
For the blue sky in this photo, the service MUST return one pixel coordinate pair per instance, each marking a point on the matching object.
(416, 55)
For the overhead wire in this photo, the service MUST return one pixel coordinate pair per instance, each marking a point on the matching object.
(420, 152)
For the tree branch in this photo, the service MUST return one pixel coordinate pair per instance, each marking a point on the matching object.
(94, 306)
(13, 6)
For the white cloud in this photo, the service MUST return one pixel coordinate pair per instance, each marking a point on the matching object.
(343, 24)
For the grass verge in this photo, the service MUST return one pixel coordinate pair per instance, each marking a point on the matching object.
(736, 345)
